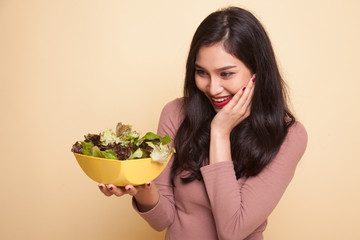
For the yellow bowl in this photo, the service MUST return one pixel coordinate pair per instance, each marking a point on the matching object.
(120, 173)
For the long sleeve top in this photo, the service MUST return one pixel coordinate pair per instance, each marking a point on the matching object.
(221, 206)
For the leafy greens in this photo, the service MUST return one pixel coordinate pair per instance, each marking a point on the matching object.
(125, 144)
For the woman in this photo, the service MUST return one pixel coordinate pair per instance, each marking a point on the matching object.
(237, 144)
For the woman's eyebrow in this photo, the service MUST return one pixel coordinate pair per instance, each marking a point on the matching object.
(198, 66)
(225, 68)
(219, 69)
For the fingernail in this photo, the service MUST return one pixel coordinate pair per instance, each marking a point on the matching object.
(111, 188)
(127, 188)
(148, 184)
(244, 88)
(101, 187)
(254, 78)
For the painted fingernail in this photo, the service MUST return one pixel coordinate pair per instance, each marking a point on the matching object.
(254, 79)
(244, 88)
(127, 188)
(101, 187)
(148, 184)
(111, 188)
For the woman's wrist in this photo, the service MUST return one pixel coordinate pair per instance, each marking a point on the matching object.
(220, 150)
(146, 200)
(219, 134)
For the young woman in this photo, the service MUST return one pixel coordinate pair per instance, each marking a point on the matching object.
(237, 144)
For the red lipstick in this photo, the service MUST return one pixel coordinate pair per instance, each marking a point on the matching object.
(220, 101)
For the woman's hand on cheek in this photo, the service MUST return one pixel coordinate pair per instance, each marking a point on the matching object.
(235, 111)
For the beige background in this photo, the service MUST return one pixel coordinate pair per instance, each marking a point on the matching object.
(77, 66)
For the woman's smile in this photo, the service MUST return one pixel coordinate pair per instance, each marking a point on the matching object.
(220, 101)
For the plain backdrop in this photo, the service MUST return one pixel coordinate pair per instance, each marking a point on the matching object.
(72, 67)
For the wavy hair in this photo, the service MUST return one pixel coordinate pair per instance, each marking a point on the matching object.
(257, 139)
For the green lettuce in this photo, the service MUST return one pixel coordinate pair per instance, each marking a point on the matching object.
(109, 137)
(137, 154)
(90, 150)
(160, 152)
(124, 144)
(152, 136)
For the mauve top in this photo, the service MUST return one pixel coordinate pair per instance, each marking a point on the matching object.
(221, 206)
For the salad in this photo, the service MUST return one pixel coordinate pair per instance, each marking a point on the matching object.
(125, 144)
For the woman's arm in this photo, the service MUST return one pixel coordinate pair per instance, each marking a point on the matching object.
(162, 214)
(240, 206)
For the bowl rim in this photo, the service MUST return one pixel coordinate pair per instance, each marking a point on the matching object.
(118, 160)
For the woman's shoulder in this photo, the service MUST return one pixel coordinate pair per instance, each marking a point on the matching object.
(298, 129)
(174, 105)
(296, 139)
(171, 117)
(174, 109)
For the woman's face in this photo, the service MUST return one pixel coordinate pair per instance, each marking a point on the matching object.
(219, 75)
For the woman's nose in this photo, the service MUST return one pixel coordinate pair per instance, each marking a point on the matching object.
(215, 87)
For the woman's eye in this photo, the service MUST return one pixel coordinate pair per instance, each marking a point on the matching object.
(226, 74)
(200, 72)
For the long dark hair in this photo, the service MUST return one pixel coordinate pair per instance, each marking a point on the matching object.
(257, 139)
